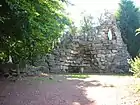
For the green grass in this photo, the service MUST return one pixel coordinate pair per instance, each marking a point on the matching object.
(43, 79)
(102, 74)
(87, 75)
(40, 79)
(137, 88)
(80, 76)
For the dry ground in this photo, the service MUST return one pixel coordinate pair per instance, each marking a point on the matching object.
(67, 90)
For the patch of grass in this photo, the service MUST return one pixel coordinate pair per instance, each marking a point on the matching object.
(43, 79)
(40, 79)
(87, 75)
(135, 88)
(80, 76)
(138, 88)
(107, 74)
(115, 74)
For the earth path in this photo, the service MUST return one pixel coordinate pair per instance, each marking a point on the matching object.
(64, 90)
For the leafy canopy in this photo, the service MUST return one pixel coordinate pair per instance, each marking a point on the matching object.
(31, 27)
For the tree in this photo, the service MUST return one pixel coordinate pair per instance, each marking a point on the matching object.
(128, 17)
(30, 28)
(73, 29)
(86, 26)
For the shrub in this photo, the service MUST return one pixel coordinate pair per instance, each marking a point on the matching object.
(135, 66)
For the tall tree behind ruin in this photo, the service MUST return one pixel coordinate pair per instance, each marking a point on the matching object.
(128, 17)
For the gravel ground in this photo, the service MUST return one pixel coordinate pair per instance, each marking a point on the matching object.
(95, 90)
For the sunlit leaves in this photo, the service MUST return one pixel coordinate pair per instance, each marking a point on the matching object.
(138, 31)
(39, 24)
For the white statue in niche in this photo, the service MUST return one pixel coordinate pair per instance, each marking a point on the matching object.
(10, 59)
(109, 35)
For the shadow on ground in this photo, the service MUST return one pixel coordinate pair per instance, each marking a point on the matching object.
(36, 91)
(89, 83)
(67, 89)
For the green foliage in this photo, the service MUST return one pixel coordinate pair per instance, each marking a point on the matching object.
(2, 56)
(73, 29)
(138, 31)
(128, 17)
(87, 24)
(135, 66)
(30, 28)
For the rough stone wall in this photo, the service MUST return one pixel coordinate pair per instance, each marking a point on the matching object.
(95, 52)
